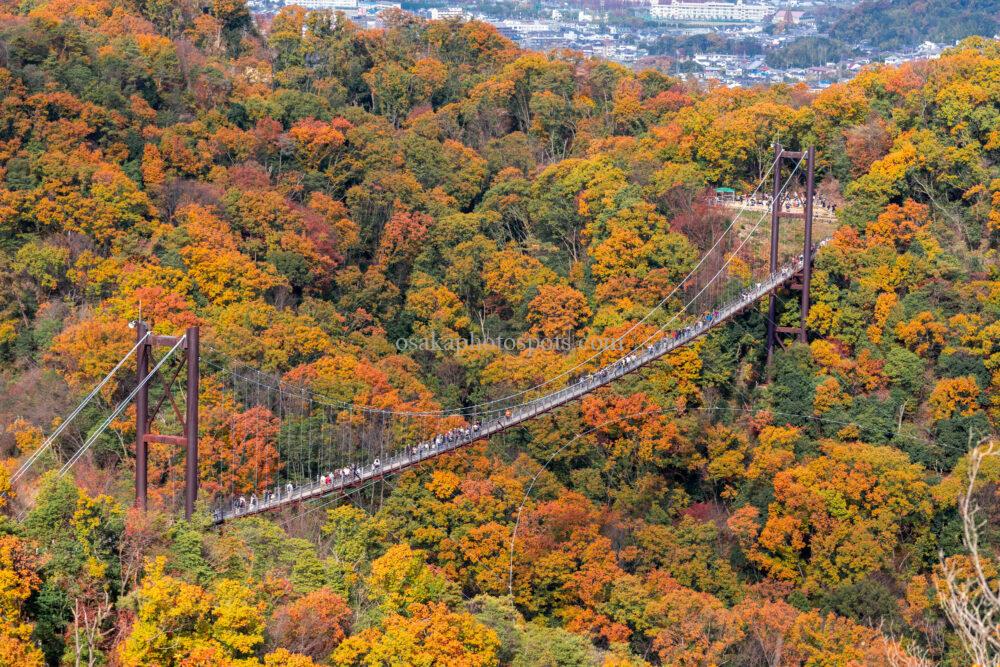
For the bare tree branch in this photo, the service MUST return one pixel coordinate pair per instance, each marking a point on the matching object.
(967, 587)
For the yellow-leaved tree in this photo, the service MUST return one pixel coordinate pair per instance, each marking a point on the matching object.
(428, 635)
(19, 578)
(182, 623)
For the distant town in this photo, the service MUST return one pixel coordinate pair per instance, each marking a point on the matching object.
(730, 43)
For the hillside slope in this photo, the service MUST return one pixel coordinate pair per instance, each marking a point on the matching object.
(895, 24)
(310, 193)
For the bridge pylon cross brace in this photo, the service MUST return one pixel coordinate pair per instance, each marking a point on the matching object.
(144, 417)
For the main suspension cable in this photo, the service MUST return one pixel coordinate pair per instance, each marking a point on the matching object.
(118, 410)
(30, 461)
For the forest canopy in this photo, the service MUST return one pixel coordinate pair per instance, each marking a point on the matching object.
(895, 24)
(308, 192)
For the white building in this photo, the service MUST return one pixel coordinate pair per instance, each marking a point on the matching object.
(447, 13)
(710, 12)
(373, 9)
(333, 5)
(525, 27)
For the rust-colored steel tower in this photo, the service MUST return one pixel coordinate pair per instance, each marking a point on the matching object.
(144, 417)
(781, 157)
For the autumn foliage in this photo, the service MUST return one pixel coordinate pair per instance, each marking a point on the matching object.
(312, 194)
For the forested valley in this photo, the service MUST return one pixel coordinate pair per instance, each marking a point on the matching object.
(309, 194)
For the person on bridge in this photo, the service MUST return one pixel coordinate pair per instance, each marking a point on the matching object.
(253, 500)
(289, 488)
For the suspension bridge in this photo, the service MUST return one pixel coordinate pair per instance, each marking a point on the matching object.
(302, 445)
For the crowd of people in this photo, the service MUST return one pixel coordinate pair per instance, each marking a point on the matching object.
(268, 496)
(353, 473)
(790, 201)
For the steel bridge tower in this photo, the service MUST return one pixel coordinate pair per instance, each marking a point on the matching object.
(781, 157)
(144, 417)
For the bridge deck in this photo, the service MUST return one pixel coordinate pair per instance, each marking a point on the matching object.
(412, 456)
